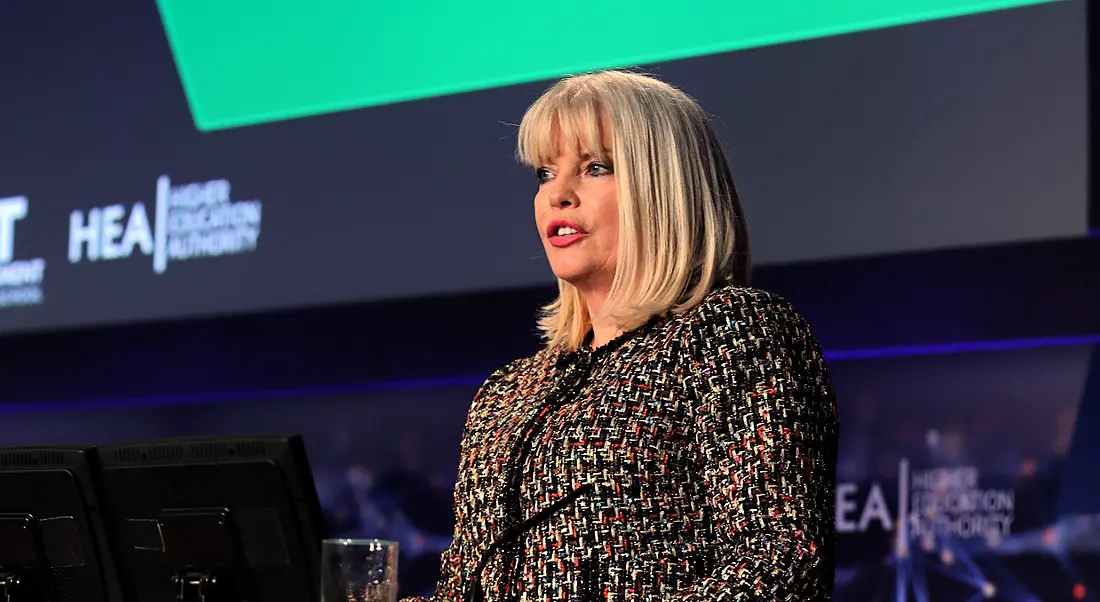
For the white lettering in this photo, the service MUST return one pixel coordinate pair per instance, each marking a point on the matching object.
(876, 509)
(214, 192)
(23, 273)
(20, 280)
(844, 505)
(241, 213)
(12, 209)
(949, 502)
(22, 296)
(965, 477)
(83, 234)
(192, 221)
(965, 526)
(848, 509)
(109, 233)
(958, 502)
(213, 243)
(138, 231)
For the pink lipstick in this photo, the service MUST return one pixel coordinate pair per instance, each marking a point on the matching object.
(562, 233)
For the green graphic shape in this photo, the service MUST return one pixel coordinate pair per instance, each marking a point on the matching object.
(245, 62)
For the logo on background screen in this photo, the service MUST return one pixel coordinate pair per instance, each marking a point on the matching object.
(936, 504)
(20, 279)
(189, 221)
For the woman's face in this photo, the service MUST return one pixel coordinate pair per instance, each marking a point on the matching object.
(577, 213)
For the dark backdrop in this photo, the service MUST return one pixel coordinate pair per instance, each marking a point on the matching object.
(955, 132)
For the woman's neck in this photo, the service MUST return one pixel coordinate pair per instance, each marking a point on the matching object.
(603, 335)
(603, 330)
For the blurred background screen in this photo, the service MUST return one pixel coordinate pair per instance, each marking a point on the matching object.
(235, 217)
(922, 435)
(196, 157)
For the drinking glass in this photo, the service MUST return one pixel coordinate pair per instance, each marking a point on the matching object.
(358, 570)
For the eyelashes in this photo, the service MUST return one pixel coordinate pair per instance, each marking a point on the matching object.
(593, 169)
(597, 168)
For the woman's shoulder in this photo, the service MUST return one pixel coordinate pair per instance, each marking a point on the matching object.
(524, 368)
(744, 306)
(749, 331)
(739, 317)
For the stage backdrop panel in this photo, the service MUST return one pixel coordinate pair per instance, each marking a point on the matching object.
(153, 172)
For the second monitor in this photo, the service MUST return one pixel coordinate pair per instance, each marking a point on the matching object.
(213, 519)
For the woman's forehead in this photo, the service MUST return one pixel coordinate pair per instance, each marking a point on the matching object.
(579, 148)
(567, 130)
(580, 139)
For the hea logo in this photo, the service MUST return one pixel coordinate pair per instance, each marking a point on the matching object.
(932, 504)
(189, 221)
(20, 279)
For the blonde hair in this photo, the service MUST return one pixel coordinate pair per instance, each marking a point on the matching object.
(681, 227)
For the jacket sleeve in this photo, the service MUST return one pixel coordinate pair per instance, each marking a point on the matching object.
(766, 423)
(448, 588)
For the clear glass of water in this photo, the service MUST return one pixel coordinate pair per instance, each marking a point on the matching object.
(359, 570)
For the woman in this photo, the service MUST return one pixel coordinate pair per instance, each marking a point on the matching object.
(676, 439)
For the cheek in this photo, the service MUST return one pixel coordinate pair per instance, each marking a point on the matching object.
(539, 207)
(609, 214)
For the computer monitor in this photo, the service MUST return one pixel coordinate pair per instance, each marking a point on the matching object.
(53, 546)
(215, 519)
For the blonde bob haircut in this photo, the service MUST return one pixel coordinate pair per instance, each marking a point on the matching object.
(682, 231)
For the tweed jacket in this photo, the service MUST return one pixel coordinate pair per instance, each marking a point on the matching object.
(691, 459)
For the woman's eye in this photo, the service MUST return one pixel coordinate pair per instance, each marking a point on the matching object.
(599, 169)
(542, 174)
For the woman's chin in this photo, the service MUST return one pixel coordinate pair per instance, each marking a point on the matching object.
(578, 279)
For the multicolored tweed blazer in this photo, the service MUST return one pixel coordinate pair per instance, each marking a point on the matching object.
(689, 460)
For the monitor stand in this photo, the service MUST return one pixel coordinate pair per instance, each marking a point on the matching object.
(206, 556)
(193, 586)
(24, 564)
(9, 584)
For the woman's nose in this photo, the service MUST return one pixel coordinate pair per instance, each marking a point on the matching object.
(563, 194)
